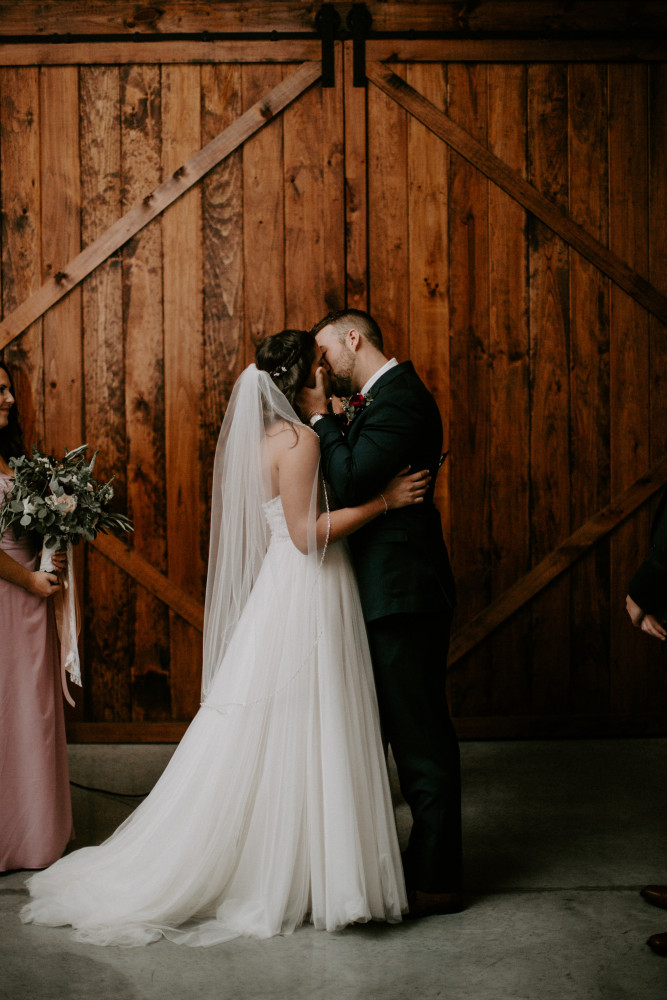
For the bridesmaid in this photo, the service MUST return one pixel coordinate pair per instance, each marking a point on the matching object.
(35, 806)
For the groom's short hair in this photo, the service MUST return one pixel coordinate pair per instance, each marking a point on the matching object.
(343, 320)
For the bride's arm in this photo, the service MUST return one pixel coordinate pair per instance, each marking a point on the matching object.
(297, 469)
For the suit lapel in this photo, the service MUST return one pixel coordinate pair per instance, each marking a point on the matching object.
(374, 392)
(388, 377)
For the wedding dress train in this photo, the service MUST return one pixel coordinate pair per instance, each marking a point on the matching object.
(274, 807)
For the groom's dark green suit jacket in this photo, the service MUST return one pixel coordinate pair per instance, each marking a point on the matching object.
(400, 558)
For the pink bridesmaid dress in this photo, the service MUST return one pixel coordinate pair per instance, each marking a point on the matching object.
(35, 805)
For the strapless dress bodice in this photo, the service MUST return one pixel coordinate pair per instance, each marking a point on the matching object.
(275, 518)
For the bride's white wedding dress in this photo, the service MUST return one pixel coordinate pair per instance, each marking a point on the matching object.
(274, 808)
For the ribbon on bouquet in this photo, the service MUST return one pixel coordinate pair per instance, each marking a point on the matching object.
(68, 623)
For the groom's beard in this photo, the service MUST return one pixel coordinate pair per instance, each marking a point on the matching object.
(341, 378)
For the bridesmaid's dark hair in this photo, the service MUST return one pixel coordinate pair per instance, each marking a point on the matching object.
(11, 436)
(288, 358)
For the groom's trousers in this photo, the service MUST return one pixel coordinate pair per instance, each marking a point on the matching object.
(409, 653)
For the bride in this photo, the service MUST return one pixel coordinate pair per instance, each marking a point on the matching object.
(276, 803)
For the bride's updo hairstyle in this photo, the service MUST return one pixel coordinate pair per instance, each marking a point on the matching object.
(288, 358)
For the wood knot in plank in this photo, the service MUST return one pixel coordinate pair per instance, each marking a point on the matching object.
(144, 17)
(148, 199)
(356, 287)
(60, 278)
(265, 111)
(463, 15)
(178, 173)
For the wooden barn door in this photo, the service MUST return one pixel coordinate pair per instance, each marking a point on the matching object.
(180, 214)
(515, 251)
(495, 211)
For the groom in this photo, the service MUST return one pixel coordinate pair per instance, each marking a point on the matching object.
(405, 581)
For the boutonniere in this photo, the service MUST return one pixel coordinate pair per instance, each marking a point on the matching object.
(356, 404)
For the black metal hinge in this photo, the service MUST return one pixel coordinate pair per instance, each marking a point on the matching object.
(359, 22)
(327, 24)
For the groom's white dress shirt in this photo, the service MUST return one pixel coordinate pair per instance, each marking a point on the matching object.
(378, 375)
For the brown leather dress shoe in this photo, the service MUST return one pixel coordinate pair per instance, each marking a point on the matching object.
(658, 942)
(656, 895)
(429, 904)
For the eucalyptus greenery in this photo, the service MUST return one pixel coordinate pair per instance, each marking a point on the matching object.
(59, 500)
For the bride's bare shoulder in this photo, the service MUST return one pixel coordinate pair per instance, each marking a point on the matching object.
(285, 434)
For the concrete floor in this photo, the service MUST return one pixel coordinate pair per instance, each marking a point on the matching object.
(559, 837)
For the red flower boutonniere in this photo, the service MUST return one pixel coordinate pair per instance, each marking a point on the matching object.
(356, 404)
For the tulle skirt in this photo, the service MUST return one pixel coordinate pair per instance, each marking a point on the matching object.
(275, 807)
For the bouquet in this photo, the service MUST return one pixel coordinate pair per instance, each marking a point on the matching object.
(59, 501)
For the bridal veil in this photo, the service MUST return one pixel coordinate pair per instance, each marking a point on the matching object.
(240, 537)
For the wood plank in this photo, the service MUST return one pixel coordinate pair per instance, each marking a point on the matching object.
(632, 675)
(183, 381)
(108, 645)
(141, 128)
(164, 588)
(222, 221)
(356, 194)
(21, 240)
(66, 277)
(61, 240)
(549, 265)
(61, 207)
(263, 208)
(509, 391)
(160, 52)
(428, 262)
(306, 242)
(589, 387)
(515, 50)
(94, 17)
(297, 50)
(561, 727)
(627, 278)
(480, 728)
(332, 143)
(471, 691)
(657, 128)
(99, 17)
(387, 221)
(605, 521)
(46, 17)
(125, 732)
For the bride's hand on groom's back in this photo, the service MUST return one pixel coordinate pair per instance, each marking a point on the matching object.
(406, 488)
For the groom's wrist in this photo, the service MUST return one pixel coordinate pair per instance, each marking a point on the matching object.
(314, 417)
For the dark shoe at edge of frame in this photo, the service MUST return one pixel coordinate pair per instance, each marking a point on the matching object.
(658, 943)
(430, 904)
(656, 895)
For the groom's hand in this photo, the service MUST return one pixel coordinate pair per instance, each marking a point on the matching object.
(635, 612)
(312, 401)
(647, 623)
